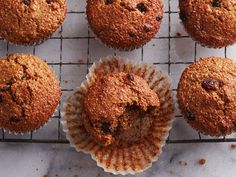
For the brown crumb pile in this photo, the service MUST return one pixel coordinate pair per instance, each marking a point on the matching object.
(184, 163)
(45, 176)
(202, 162)
(233, 146)
(178, 34)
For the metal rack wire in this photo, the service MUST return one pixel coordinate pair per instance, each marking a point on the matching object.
(87, 63)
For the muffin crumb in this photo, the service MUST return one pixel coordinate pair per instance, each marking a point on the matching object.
(233, 146)
(183, 163)
(202, 162)
(178, 34)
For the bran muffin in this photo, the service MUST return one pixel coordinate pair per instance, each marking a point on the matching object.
(121, 115)
(210, 22)
(119, 107)
(124, 24)
(207, 96)
(29, 93)
(28, 22)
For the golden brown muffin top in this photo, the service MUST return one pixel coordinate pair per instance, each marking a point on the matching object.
(29, 92)
(211, 22)
(207, 95)
(124, 24)
(115, 104)
(30, 21)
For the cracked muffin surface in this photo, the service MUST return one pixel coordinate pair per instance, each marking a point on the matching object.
(29, 93)
(207, 96)
(30, 22)
(124, 24)
(210, 22)
(119, 107)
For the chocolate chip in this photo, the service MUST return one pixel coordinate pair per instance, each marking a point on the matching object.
(130, 77)
(132, 107)
(1, 99)
(142, 7)
(216, 3)
(189, 115)
(26, 2)
(183, 15)
(50, 1)
(234, 124)
(106, 127)
(210, 84)
(150, 109)
(159, 18)
(15, 119)
(131, 34)
(109, 1)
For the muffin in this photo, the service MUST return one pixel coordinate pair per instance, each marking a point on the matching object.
(28, 22)
(121, 115)
(207, 96)
(119, 108)
(210, 22)
(29, 93)
(124, 24)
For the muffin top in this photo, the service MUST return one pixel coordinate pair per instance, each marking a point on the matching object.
(211, 22)
(119, 107)
(207, 95)
(29, 93)
(124, 24)
(29, 22)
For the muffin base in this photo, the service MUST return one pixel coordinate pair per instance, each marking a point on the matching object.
(29, 132)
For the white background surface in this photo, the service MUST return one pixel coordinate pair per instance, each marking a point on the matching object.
(70, 51)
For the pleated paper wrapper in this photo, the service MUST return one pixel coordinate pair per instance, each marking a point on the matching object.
(136, 157)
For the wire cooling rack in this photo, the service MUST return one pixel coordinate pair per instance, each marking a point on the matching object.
(73, 49)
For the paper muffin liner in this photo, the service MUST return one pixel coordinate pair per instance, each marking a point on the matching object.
(134, 158)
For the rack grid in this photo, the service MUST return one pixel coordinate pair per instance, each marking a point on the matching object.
(71, 51)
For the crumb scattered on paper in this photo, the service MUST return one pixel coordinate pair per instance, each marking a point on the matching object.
(81, 60)
(184, 163)
(178, 34)
(233, 146)
(202, 162)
